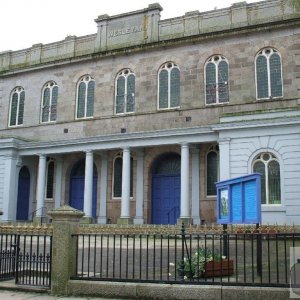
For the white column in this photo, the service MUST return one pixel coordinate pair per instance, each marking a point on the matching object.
(58, 181)
(102, 219)
(195, 186)
(41, 186)
(88, 185)
(125, 205)
(224, 152)
(184, 195)
(139, 216)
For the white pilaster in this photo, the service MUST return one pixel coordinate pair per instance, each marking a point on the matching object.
(88, 185)
(125, 205)
(41, 186)
(58, 181)
(10, 188)
(195, 186)
(184, 195)
(139, 216)
(102, 219)
(224, 152)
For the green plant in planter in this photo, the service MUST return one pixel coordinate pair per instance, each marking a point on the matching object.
(194, 266)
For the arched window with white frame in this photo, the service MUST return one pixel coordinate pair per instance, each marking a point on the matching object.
(268, 72)
(49, 102)
(17, 102)
(168, 86)
(125, 92)
(216, 80)
(85, 97)
(117, 175)
(50, 178)
(268, 166)
(212, 170)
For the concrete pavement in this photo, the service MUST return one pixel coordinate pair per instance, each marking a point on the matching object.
(24, 295)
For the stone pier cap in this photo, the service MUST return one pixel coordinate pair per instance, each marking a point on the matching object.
(66, 213)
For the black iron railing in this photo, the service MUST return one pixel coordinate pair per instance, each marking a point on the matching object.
(26, 258)
(256, 258)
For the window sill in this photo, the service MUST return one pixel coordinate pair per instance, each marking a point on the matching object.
(273, 208)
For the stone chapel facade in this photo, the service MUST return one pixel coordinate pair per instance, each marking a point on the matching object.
(137, 122)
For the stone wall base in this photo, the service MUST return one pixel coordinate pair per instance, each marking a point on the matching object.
(173, 291)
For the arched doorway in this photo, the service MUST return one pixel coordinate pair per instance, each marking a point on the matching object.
(166, 189)
(23, 194)
(77, 187)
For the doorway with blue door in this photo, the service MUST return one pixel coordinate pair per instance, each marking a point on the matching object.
(23, 195)
(166, 189)
(76, 199)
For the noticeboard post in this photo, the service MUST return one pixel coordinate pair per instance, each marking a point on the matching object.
(239, 200)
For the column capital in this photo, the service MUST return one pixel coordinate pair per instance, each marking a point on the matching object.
(103, 154)
(224, 140)
(41, 155)
(140, 152)
(184, 145)
(126, 149)
(58, 158)
(195, 149)
(89, 152)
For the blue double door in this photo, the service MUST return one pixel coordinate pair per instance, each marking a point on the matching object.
(77, 194)
(165, 198)
(23, 194)
(76, 199)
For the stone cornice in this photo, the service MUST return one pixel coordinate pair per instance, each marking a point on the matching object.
(119, 141)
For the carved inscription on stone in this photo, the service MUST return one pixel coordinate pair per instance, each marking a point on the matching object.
(123, 31)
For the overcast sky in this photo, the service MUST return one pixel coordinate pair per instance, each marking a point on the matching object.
(27, 22)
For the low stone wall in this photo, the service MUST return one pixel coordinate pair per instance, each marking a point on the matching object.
(172, 291)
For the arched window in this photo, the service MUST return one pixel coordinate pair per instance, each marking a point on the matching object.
(85, 97)
(268, 74)
(50, 178)
(17, 107)
(268, 166)
(216, 80)
(168, 86)
(125, 92)
(49, 102)
(212, 170)
(117, 176)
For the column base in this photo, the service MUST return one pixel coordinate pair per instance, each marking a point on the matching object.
(138, 221)
(185, 221)
(102, 220)
(125, 221)
(87, 220)
(196, 220)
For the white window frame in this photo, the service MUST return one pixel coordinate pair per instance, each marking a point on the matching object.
(212, 60)
(262, 52)
(83, 79)
(212, 148)
(120, 155)
(50, 84)
(46, 184)
(124, 73)
(258, 157)
(17, 90)
(165, 66)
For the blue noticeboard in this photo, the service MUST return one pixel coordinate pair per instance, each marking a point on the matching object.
(239, 200)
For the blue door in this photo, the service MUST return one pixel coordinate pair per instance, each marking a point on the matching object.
(23, 194)
(77, 193)
(166, 189)
(77, 187)
(165, 199)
